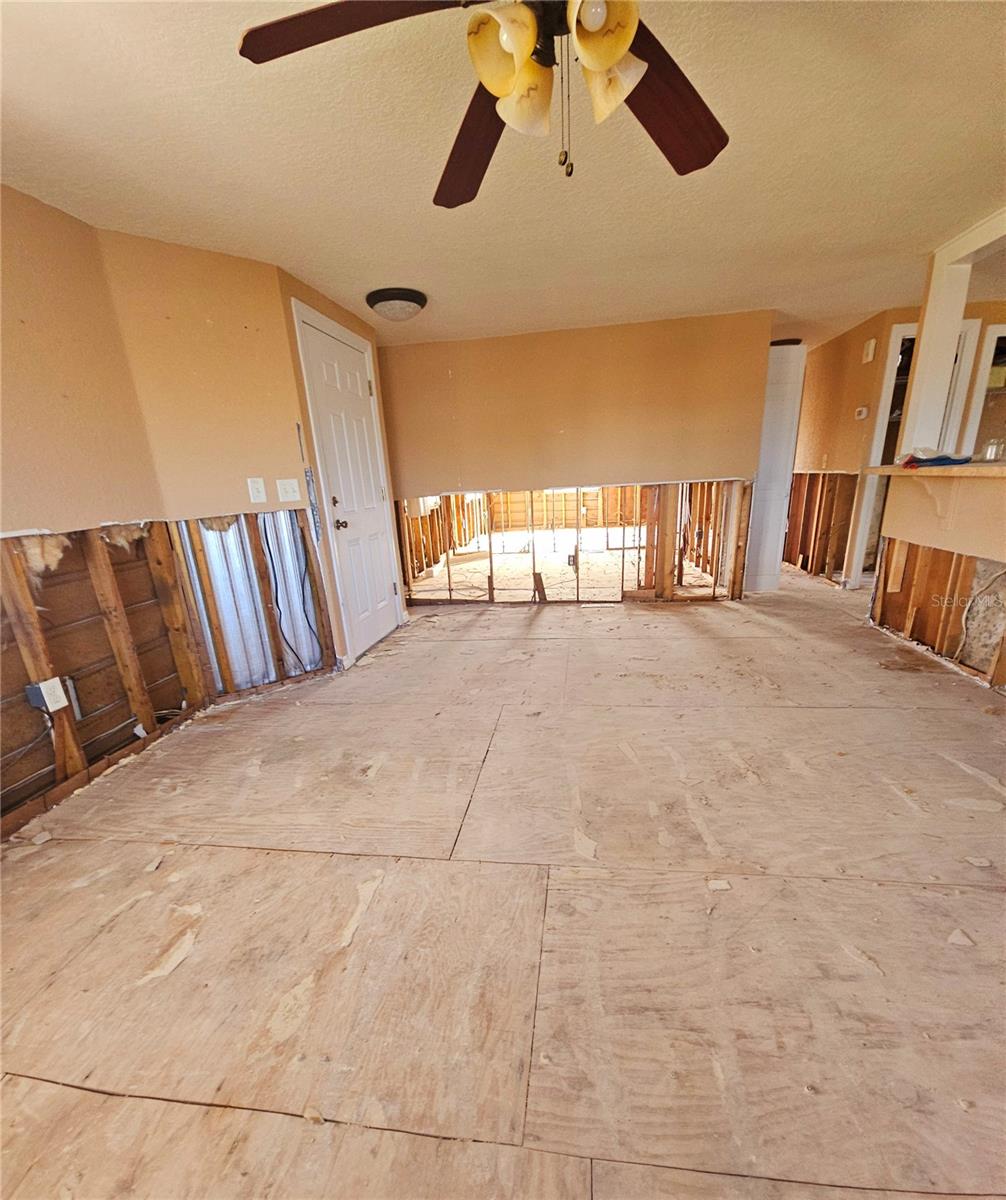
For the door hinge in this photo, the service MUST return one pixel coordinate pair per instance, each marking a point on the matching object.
(395, 586)
(370, 386)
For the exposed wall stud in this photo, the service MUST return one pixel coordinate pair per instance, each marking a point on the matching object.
(120, 636)
(19, 604)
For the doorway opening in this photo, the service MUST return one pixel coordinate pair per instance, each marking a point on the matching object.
(593, 543)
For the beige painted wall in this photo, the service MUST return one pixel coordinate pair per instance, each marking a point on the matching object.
(662, 400)
(143, 379)
(207, 344)
(838, 382)
(75, 450)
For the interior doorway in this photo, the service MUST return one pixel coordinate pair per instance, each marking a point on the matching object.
(352, 504)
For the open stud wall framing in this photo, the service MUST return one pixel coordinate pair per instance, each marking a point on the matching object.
(673, 541)
(954, 604)
(820, 519)
(146, 633)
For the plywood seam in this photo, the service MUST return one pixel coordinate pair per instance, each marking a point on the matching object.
(534, 1011)
(871, 880)
(478, 776)
(853, 1190)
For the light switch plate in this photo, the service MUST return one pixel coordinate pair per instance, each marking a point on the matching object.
(288, 489)
(256, 490)
(869, 350)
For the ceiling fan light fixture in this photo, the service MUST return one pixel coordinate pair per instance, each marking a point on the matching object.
(616, 21)
(397, 303)
(500, 42)
(608, 89)
(527, 107)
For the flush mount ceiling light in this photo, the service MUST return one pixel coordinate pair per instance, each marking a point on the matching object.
(396, 304)
(513, 48)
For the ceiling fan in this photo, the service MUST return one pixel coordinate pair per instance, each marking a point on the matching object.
(512, 48)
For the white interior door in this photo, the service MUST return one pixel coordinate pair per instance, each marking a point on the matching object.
(352, 498)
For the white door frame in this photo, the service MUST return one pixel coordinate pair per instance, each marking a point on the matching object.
(852, 572)
(852, 569)
(960, 381)
(303, 314)
(992, 334)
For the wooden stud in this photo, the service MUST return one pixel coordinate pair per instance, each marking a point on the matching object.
(19, 603)
(838, 534)
(895, 576)
(576, 555)
(188, 587)
(404, 543)
(822, 528)
(490, 523)
(717, 536)
(707, 533)
(447, 535)
(210, 603)
(954, 630)
(950, 597)
(322, 621)
(740, 548)
(810, 521)
(174, 612)
(652, 494)
(265, 590)
(530, 533)
(794, 526)
(116, 622)
(880, 581)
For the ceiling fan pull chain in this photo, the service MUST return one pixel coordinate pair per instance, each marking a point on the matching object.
(569, 108)
(563, 153)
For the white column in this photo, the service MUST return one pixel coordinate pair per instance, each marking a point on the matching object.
(935, 352)
(770, 499)
(939, 330)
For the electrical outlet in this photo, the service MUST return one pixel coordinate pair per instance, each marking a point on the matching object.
(256, 490)
(288, 489)
(862, 413)
(48, 695)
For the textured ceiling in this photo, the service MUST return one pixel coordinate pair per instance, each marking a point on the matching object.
(862, 135)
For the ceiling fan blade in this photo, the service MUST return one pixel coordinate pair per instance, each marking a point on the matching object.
(671, 111)
(290, 34)
(472, 151)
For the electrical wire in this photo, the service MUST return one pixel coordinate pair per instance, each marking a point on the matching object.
(275, 593)
(47, 732)
(303, 580)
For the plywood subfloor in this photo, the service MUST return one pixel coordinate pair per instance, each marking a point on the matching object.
(640, 901)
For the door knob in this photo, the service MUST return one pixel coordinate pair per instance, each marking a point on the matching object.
(342, 524)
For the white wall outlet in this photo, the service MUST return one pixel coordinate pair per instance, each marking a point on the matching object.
(47, 695)
(862, 413)
(256, 490)
(288, 489)
(869, 350)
